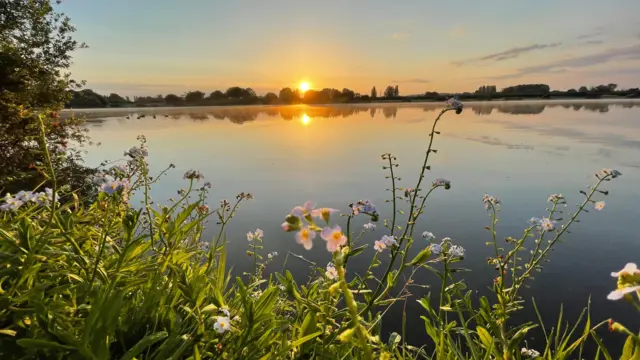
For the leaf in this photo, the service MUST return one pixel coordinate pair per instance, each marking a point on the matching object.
(421, 257)
(8, 332)
(143, 344)
(33, 343)
(485, 337)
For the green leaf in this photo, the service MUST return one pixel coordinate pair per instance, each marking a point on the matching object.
(33, 343)
(421, 257)
(8, 332)
(143, 344)
(485, 337)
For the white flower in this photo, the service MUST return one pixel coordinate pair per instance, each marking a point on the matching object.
(136, 152)
(620, 293)
(599, 205)
(555, 197)
(255, 235)
(369, 226)
(331, 272)
(379, 245)
(389, 240)
(535, 221)
(490, 201)
(629, 269)
(236, 318)
(529, 352)
(225, 311)
(547, 224)
(456, 251)
(222, 324)
(436, 249)
(428, 236)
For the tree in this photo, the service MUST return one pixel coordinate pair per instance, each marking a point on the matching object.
(612, 87)
(173, 99)
(289, 96)
(35, 51)
(374, 93)
(389, 91)
(217, 95)
(115, 99)
(583, 89)
(236, 92)
(348, 94)
(270, 98)
(396, 92)
(193, 97)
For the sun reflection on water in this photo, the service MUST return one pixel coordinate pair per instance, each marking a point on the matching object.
(305, 119)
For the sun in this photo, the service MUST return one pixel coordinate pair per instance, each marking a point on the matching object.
(305, 119)
(304, 86)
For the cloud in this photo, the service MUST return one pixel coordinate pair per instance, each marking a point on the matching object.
(458, 31)
(592, 42)
(416, 80)
(509, 54)
(615, 54)
(590, 35)
(400, 36)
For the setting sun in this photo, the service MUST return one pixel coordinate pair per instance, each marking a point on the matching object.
(304, 86)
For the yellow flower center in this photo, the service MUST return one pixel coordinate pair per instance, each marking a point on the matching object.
(337, 235)
(305, 234)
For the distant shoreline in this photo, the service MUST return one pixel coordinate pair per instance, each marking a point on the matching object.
(562, 99)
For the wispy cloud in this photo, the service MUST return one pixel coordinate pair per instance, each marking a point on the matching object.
(509, 54)
(590, 35)
(615, 54)
(416, 80)
(592, 42)
(400, 36)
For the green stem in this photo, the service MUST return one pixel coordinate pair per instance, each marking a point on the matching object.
(353, 311)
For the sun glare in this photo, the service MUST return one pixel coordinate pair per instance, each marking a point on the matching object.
(304, 86)
(305, 119)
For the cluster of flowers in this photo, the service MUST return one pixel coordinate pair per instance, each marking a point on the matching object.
(364, 207)
(306, 233)
(223, 323)
(255, 235)
(136, 152)
(14, 202)
(446, 248)
(540, 224)
(529, 353)
(454, 104)
(386, 241)
(442, 182)
(490, 201)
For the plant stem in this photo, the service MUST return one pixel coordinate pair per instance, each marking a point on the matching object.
(353, 311)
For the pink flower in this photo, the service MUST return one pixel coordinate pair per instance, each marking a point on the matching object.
(620, 293)
(629, 269)
(305, 237)
(334, 238)
(599, 205)
(379, 245)
(324, 213)
(304, 210)
(286, 226)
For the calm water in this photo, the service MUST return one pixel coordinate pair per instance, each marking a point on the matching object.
(520, 152)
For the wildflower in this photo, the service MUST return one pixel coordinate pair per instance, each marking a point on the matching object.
(236, 319)
(305, 237)
(222, 324)
(599, 205)
(11, 203)
(442, 182)
(225, 311)
(331, 272)
(291, 223)
(428, 236)
(334, 238)
(456, 251)
(324, 213)
(363, 206)
(257, 235)
(193, 174)
(304, 210)
(529, 353)
(379, 246)
(24, 196)
(621, 292)
(204, 246)
(272, 255)
(547, 224)
(369, 226)
(614, 173)
(629, 269)
(454, 104)
(490, 201)
(555, 197)
(389, 240)
(408, 192)
(136, 152)
(534, 221)
(436, 249)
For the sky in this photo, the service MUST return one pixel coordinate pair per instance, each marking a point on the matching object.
(167, 46)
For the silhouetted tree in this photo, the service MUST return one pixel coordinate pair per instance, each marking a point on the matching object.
(115, 98)
(396, 92)
(583, 89)
(389, 91)
(270, 98)
(612, 87)
(348, 94)
(374, 93)
(173, 99)
(527, 89)
(217, 95)
(193, 97)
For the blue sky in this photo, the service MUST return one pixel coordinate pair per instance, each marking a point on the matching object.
(157, 47)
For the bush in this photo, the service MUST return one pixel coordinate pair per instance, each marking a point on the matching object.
(109, 281)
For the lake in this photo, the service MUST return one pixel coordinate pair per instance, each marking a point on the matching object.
(520, 152)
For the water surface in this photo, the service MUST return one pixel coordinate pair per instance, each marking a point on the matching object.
(520, 152)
